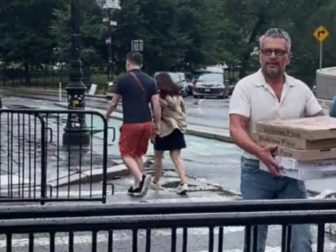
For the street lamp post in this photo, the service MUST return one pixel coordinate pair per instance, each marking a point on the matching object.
(109, 43)
(76, 131)
(110, 5)
(137, 45)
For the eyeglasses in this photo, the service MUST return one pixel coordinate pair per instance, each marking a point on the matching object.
(277, 52)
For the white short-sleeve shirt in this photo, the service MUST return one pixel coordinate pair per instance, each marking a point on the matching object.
(254, 98)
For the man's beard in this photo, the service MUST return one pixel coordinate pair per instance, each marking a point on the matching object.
(273, 72)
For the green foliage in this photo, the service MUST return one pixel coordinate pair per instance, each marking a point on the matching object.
(91, 32)
(171, 30)
(25, 35)
(99, 78)
(177, 34)
(101, 81)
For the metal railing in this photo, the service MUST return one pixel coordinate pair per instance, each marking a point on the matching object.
(104, 227)
(36, 166)
(42, 75)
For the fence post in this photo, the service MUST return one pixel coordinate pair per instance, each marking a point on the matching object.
(60, 91)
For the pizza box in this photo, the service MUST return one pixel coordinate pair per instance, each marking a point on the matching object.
(295, 143)
(306, 155)
(310, 128)
(310, 174)
(294, 164)
(306, 170)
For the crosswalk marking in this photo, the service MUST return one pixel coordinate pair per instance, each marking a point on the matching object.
(124, 236)
(82, 238)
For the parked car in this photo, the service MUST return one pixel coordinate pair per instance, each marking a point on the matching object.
(231, 86)
(180, 79)
(210, 85)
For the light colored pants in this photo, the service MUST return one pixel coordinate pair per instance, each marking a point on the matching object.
(259, 184)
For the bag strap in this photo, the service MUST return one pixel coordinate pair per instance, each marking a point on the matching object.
(137, 80)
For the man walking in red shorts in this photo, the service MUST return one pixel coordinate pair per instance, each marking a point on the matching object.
(137, 91)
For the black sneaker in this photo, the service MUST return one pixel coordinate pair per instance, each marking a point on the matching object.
(136, 192)
(143, 186)
(130, 190)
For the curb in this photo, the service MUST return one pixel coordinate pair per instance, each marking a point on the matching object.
(93, 177)
(41, 91)
(192, 130)
(195, 130)
(121, 170)
(216, 134)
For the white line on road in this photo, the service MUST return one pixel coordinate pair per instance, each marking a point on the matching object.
(85, 238)
(62, 239)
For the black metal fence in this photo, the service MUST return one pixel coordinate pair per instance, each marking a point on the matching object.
(42, 75)
(35, 165)
(139, 227)
(46, 76)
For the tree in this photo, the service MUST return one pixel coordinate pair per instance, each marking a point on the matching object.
(92, 32)
(172, 30)
(305, 59)
(177, 34)
(255, 16)
(26, 39)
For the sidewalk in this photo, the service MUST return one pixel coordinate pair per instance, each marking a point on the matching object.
(199, 189)
(314, 186)
(196, 130)
(121, 170)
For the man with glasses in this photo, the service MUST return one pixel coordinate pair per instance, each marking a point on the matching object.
(269, 94)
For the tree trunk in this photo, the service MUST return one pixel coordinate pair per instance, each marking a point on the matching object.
(247, 53)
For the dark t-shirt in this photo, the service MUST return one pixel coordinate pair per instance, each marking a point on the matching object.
(135, 100)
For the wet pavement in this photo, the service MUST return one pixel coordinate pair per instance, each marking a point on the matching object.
(196, 157)
(213, 172)
(217, 162)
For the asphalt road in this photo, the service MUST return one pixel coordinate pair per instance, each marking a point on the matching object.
(198, 239)
(211, 113)
(204, 112)
(213, 160)
(209, 160)
(214, 163)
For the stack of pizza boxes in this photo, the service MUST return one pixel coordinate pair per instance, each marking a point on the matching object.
(306, 147)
